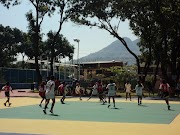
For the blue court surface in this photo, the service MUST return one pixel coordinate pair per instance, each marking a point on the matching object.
(154, 113)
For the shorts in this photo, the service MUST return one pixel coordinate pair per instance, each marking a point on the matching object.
(94, 92)
(165, 94)
(7, 94)
(128, 91)
(42, 94)
(111, 94)
(100, 92)
(63, 93)
(50, 96)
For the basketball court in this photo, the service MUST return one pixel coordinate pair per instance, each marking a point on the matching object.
(89, 117)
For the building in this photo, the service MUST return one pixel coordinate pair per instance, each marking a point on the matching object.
(89, 70)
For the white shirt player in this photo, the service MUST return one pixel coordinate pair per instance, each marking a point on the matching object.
(111, 89)
(50, 86)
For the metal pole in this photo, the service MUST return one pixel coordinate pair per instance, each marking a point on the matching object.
(53, 66)
(78, 63)
(59, 69)
(47, 66)
(65, 70)
(113, 70)
(41, 65)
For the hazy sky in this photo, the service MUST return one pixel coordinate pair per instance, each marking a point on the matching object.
(91, 40)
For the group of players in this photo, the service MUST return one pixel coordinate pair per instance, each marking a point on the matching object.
(103, 90)
(47, 92)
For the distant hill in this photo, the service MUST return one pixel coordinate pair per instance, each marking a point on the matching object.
(115, 51)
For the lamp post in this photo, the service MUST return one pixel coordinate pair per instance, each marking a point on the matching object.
(47, 66)
(78, 63)
(113, 61)
(60, 66)
(128, 74)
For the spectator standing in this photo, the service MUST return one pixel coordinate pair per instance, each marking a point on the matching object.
(128, 90)
(78, 90)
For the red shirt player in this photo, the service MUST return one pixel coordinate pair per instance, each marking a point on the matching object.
(7, 88)
(61, 89)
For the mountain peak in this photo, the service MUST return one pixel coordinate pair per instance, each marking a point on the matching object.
(115, 51)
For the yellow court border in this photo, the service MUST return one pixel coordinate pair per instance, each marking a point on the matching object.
(53, 127)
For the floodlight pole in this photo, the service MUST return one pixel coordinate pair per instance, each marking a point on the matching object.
(78, 63)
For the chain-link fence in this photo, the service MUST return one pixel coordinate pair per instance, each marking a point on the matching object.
(24, 78)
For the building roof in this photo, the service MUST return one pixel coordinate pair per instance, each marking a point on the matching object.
(96, 62)
(45, 62)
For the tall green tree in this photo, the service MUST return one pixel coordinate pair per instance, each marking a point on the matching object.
(62, 7)
(9, 39)
(143, 24)
(42, 8)
(167, 17)
(61, 48)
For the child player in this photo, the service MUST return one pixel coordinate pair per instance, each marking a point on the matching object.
(7, 88)
(111, 92)
(164, 87)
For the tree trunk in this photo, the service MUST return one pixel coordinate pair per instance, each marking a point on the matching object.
(155, 74)
(136, 57)
(148, 62)
(37, 30)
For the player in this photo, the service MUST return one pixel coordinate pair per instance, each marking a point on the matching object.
(164, 87)
(7, 88)
(111, 87)
(42, 91)
(50, 94)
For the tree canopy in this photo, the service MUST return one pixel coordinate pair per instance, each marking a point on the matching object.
(155, 22)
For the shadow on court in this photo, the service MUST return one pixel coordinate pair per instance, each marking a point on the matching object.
(54, 115)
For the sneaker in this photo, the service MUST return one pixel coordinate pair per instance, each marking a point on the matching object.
(140, 103)
(10, 104)
(109, 106)
(4, 104)
(40, 105)
(51, 111)
(44, 111)
(62, 101)
(169, 107)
